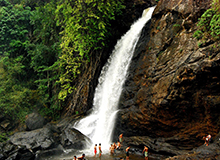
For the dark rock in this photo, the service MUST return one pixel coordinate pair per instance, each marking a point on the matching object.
(2, 156)
(14, 156)
(8, 147)
(41, 154)
(34, 121)
(43, 138)
(73, 139)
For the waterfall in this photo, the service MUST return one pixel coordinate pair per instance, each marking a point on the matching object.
(98, 126)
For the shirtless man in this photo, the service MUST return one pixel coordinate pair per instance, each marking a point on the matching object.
(114, 146)
(145, 151)
(95, 150)
(111, 149)
(127, 152)
(118, 145)
(100, 150)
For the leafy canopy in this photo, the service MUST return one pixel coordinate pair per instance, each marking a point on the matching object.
(86, 25)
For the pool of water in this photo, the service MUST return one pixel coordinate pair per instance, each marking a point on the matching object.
(106, 156)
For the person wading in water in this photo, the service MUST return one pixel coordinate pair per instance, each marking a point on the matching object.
(100, 150)
(95, 150)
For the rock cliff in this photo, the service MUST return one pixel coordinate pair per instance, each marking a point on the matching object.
(172, 91)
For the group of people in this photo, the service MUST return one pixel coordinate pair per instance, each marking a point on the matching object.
(145, 152)
(113, 149)
(115, 146)
(95, 150)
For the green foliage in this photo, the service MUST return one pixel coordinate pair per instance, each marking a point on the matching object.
(29, 66)
(176, 25)
(14, 24)
(209, 23)
(85, 29)
(3, 137)
(16, 99)
(44, 51)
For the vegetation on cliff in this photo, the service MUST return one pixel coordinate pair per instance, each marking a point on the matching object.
(43, 44)
(209, 23)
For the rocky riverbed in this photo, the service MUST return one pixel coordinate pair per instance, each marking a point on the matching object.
(60, 140)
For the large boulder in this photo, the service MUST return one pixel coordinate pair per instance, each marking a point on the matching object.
(73, 139)
(44, 138)
(34, 121)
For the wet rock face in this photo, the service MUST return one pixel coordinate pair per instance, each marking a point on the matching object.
(173, 85)
(81, 100)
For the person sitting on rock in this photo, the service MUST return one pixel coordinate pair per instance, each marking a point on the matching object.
(118, 145)
(82, 157)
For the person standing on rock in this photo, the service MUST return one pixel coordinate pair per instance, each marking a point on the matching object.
(100, 150)
(127, 152)
(120, 137)
(95, 150)
(145, 151)
(207, 139)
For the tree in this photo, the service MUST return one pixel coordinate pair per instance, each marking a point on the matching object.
(44, 50)
(86, 25)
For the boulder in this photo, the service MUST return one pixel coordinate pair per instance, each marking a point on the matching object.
(43, 138)
(74, 139)
(34, 121)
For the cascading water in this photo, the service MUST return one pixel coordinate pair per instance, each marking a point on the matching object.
(98, 126)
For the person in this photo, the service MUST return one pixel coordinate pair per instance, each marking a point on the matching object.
(121, 158)
(207, 139)
(100, 150)
(74, 158)
(82, 157)
(114, 147)
(118, 145)
(111, 149)
(145, 151)
(120, 137)
(127, 152)
(95, 150)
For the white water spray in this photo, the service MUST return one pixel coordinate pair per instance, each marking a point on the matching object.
(98, 126)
